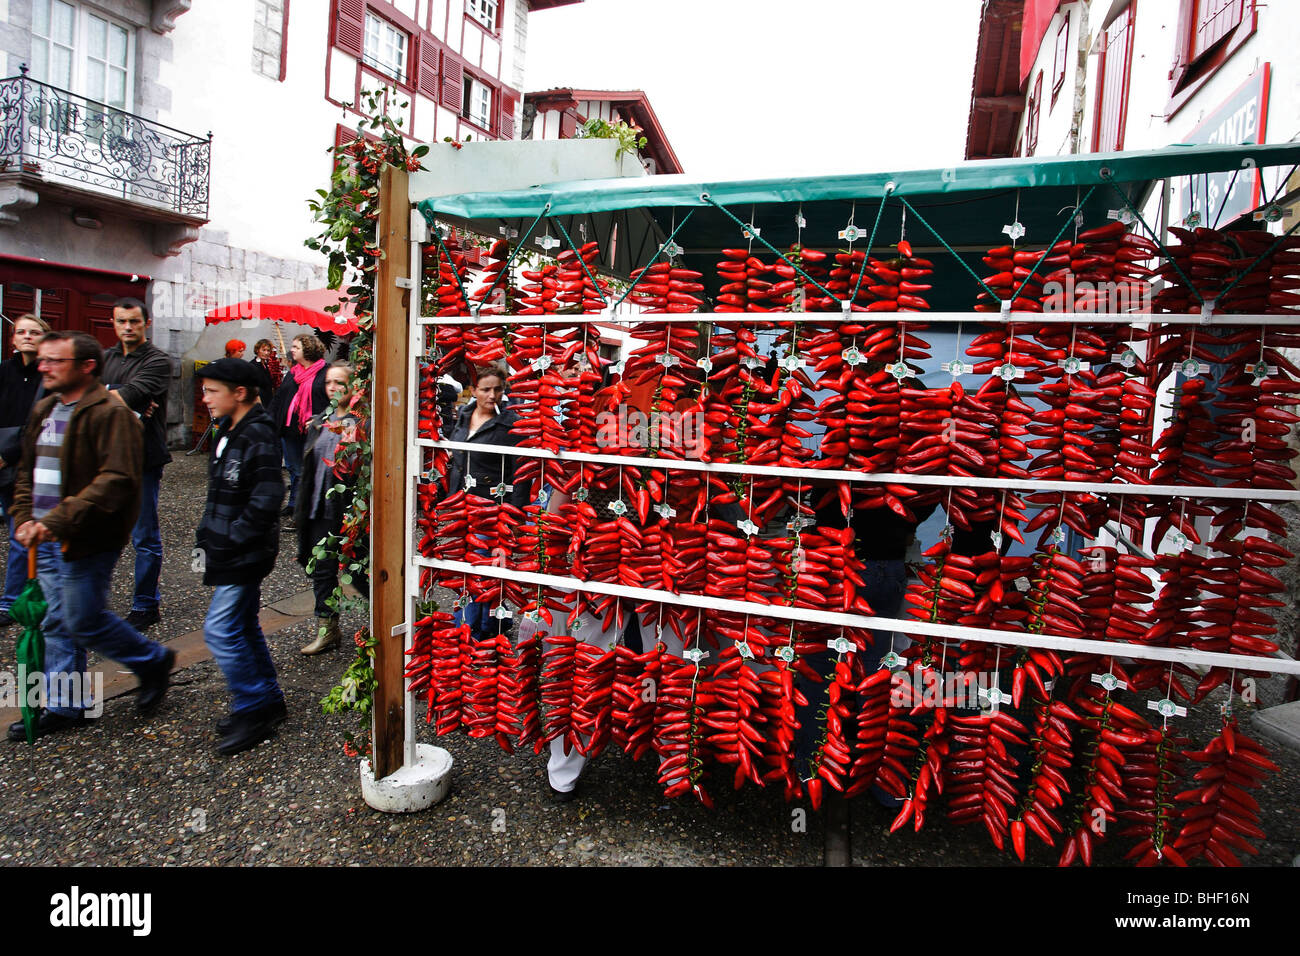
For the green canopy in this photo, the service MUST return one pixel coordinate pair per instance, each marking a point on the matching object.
(967, 205)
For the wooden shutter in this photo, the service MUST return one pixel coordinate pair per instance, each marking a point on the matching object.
(350, 26)
(568, 124)
(1114, 70)
(1182, 43)
(427, 73)
(1031, 115)
(1215, 19)
(509, 103)
(453, 80)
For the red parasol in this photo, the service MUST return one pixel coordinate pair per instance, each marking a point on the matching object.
(304, 308)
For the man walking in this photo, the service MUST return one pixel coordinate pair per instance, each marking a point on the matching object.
(79, 484)
(137, 373)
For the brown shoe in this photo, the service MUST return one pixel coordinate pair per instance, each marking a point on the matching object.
(327, 636)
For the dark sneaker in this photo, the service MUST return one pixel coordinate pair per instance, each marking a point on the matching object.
(274, 714)
(6, 618)
(561, 796)
(143, 620)
(247, 730)
(153, 688)
(49, 723)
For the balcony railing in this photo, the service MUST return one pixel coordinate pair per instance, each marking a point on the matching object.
(66, 138)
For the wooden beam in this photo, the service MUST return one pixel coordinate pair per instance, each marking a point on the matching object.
(388, 471)
(999, 104)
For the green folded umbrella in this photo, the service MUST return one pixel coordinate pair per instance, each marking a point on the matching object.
(29, 611)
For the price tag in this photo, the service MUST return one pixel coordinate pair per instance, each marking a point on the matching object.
(618, 367)
(957, 368)
(1128, 358)
(1166, 708)
(1016, 230)
(1192, 368)
(547, 242)
(1009, 372)
(1022, 583)
(470, 482)
(534, 615)
(582, 494)
(695, 655)
(994, 697)
(619, 507)
(852, 356)
(541, 363)
(752, 361)
(671, 249)
(667, 360)
(851, 233)
(748, 527)
(502, 489)
(665, 510)
(750, 231)
(704, 363)
(579, 625)
(1124, 215)
(899, 370)
(1058, 534)
(543, 497)
(785, 653)
(798, 523)
(1207, 310)
(1272, 213)
(743, 648)
(893, 661)
(792, 363)
(501, 613)
(996, 538)
(799, 221)
(947, 531)
(1072, 366)
(1192, 219)
(1109, 682)
(460, 604)
(841, 645)
(1260, 371)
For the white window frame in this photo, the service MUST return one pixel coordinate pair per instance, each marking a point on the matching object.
(485, 12)
(382, 32)
(80, 54)
(477, 91)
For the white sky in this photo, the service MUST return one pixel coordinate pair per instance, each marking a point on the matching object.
(751, 88)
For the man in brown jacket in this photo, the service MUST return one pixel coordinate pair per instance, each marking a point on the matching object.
(79, 484)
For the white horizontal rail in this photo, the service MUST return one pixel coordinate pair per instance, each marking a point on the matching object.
(877, 478)
(1241, 662)
(620, 317)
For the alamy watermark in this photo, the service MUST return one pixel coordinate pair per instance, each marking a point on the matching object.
(77, 691)
(975, 690)
(627, 427)
(1106, 297)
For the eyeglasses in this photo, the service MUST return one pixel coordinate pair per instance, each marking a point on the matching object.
(53, 361)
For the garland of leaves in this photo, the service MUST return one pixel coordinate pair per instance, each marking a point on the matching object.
(349, 216)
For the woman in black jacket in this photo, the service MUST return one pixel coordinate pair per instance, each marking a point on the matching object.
(20, 387)
(291, 412)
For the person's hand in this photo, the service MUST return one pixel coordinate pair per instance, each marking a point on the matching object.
(32, 533)
(148, 412)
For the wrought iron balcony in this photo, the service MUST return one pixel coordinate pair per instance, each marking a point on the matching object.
(57, 138)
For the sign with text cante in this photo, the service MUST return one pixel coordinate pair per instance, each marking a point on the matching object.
(1222, 197)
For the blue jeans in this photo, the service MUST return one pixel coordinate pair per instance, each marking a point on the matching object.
(148, 544)
(16, 562)
(478, 616)
(78, 620)
(292, 444)
(234, 635)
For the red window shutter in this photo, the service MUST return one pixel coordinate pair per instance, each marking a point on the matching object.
(1182, 42)
(427, 72)
(1114, 71)
(453, 80)
(506, 125)
(568, 124)
(1031, 115)
(1215, 19)
(350, 26)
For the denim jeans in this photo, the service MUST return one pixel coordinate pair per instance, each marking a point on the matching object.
(148, 544)
(78, 620)
(292, 444)
(16, 561)
(234, 635)
(478, 616)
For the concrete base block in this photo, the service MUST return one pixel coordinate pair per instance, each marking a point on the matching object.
(1280, 724)
(412, 788)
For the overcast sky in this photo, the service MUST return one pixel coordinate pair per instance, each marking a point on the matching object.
(750, 88)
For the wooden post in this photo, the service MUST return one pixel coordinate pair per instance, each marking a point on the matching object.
(388, 470)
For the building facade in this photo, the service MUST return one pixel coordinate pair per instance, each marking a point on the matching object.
(559, 113)
(167, 149)
(1057, 77)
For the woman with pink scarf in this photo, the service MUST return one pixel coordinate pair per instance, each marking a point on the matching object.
(301, 396)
